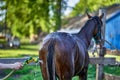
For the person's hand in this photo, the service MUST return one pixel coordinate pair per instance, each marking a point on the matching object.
(17, 65)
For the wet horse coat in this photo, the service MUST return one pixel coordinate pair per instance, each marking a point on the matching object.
(65, 55)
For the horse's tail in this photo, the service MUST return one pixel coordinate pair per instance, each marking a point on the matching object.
(50, 60)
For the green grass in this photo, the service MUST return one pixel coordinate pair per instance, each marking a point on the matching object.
(28, 73)
(112, 70)
(26, 49)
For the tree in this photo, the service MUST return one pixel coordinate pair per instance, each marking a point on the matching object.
(24, 17)
(2, 16)
(91, 5)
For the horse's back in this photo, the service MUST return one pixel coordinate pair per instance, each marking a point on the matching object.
(61, 40)
(64, 44)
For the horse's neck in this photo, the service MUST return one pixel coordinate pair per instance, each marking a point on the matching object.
(87, 32)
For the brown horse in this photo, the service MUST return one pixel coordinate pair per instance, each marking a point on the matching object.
(65, 55)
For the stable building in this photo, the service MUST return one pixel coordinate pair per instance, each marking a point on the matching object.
(112, 31)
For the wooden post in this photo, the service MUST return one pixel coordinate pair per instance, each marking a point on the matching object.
(99, 67)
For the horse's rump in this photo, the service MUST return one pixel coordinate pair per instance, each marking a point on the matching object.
(65, 52)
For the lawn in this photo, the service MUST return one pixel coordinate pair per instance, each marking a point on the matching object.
(26, 49)
(34, 73)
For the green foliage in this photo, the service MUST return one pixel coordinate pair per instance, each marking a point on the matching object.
(91, 5)
(25, 17)
(112, 70)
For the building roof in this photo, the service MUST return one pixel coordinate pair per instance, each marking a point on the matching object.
(79, 21)
(113, 15)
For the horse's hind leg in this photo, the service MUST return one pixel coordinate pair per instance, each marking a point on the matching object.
(66, 77)
(65, 72)
(42, 56)
(83, 74)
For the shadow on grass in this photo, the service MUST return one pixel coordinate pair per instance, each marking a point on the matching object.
(30, 49)
(27, 43)
(27, 55)
(21, 48)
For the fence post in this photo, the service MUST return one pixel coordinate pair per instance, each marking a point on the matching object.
(99, 67)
